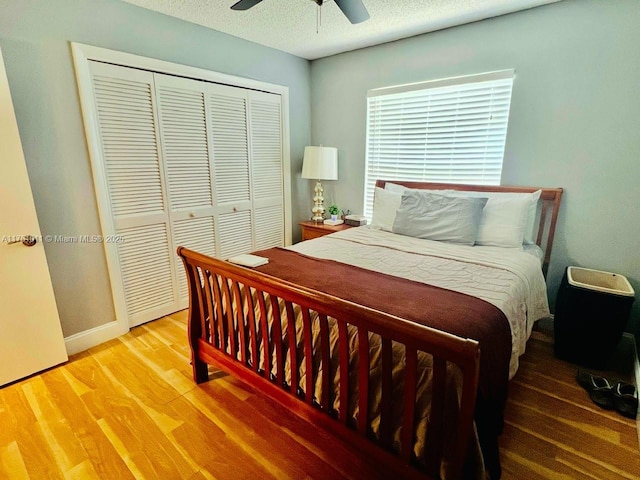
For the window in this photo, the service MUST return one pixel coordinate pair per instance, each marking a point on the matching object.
(448, 131)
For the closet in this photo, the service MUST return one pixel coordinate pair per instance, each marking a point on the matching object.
(184, 162)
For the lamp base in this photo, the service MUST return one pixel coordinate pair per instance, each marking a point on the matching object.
(318, 203)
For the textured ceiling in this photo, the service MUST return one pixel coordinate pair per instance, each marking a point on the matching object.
(290, 25)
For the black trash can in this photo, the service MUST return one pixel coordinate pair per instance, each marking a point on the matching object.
(592, 309)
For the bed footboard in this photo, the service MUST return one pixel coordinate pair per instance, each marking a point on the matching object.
(335, 364)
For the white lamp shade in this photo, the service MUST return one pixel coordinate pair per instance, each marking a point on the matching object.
(320, 163)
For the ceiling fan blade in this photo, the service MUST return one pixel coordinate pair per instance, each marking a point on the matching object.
(245, 4)
(354, 10)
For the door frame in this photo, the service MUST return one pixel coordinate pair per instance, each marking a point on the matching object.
(82, 54)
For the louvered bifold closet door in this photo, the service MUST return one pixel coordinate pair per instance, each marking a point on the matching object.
(266, 169)
(127, 127)
(227, 113)
(185, 148)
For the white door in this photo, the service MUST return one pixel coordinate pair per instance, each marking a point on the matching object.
(30, 334)
(267, 176)
(125, 107)
(232, 171)
(187, 165)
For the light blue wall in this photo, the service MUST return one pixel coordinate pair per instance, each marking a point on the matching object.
(34, 37)
(574, 122)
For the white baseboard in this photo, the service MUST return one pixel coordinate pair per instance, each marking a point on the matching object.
(90, 338)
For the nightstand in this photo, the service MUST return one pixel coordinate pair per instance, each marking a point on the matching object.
(313, 230)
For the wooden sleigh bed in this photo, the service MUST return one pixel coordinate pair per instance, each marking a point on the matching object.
(380, 367)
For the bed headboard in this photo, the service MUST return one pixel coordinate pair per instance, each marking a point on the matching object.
(550, 200)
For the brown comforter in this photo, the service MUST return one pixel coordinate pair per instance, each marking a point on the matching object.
(439, 308)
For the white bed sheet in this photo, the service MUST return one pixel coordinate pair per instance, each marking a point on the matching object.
(510, 279)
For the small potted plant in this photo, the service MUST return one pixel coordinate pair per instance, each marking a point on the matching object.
(334, 211)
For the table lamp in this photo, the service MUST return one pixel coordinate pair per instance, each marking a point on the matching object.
(319, 163)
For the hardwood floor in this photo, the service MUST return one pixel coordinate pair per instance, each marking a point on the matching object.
(129, 409)
(554, 431)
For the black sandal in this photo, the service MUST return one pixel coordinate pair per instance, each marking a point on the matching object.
(625, 399)
(599, 389)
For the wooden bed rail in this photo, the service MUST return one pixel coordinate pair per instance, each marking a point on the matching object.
(549, 200)
(252, 325)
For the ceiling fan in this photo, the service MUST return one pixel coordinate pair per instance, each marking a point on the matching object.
(354, 10)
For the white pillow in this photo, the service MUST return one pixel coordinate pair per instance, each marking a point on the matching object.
(532, 211)
(531, 218)
(395, 188)
(503, 222)
(385, 206)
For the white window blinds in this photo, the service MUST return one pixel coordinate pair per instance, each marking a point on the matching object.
(449, 131)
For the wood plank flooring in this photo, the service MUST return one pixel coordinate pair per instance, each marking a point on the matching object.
(129, 409)
(554, 431)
